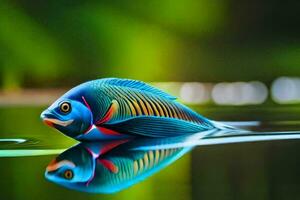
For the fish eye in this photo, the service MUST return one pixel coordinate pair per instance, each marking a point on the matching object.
(68, 174)
(65, 107)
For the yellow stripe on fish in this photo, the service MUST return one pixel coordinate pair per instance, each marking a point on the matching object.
(138, 104)
(151, 159)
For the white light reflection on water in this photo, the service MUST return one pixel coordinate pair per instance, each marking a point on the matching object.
(195, 93)
(17, 140)
(234, 93)
(240, 93)
(19, 147)
(215, 137)
(29, 152)
(286, 90)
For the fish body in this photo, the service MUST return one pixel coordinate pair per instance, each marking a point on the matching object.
(112, 166)
(115, 108)
(108, 167)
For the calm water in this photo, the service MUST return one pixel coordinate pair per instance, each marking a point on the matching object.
(261, 170)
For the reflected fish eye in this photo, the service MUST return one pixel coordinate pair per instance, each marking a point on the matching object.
(65, 107)
(68, 174)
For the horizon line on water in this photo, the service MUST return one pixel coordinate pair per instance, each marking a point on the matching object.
(220, 137)
(209, 137)
(29, 152)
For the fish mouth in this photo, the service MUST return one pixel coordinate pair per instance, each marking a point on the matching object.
(49, 120)
(54, 165)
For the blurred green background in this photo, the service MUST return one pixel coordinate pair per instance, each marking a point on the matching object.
(62, 43)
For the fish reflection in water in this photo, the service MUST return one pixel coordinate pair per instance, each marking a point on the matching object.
(108, 167)
(111, 166)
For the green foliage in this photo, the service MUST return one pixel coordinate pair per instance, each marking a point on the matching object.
(55, 44)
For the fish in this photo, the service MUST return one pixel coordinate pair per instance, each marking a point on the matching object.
(113, 108)
(107, 167)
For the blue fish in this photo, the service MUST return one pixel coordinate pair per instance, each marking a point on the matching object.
(115, 108)
(109, 167)
(112, 166)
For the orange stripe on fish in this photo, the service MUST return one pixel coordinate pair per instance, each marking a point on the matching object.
(161, 112)
(168, 109)
(109, 165)
(131, 107)
(108, 131)
(163, 108)
(137, 108)
(149, 108)
(110, 112)
(153, 107)
(145, 111)
(173, 111)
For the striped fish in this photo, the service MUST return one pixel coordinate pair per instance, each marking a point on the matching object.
(114, 108)
(108, 167)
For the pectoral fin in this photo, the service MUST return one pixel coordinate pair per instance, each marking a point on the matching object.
(109, 113)
(155, 127)
(109, 165)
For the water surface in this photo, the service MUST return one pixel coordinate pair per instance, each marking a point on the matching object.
(256, 170)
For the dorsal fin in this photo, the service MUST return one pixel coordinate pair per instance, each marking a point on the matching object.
(137, 85)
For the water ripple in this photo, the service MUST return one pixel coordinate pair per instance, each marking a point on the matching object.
(20, 147)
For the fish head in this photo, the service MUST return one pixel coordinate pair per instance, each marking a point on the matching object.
(69, 116)
(72, 167)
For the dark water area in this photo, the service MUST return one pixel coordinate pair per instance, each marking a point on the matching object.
(254, 170)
